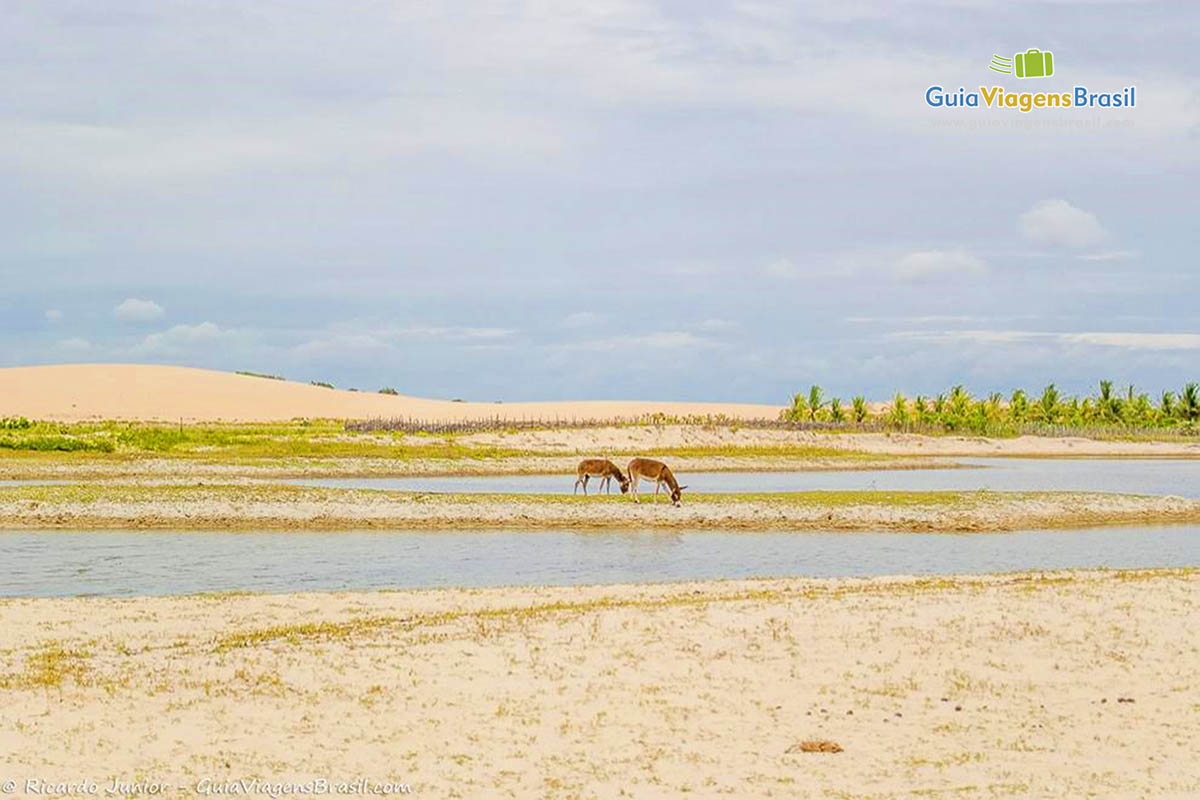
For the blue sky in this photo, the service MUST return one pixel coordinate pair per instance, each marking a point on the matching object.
(522, 200)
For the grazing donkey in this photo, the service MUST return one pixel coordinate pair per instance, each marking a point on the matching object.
(660, 473)
(603, 469)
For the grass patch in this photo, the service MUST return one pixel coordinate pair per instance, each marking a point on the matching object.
(238, 443)
(49, 668)
(778, 592)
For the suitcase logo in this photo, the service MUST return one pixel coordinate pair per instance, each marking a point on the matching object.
(1033, 63)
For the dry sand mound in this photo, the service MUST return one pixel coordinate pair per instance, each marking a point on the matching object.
(73, 392)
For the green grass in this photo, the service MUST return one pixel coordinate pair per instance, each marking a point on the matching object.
(261, 443)
(236, 443)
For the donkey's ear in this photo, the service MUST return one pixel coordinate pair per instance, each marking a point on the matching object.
(681, 488)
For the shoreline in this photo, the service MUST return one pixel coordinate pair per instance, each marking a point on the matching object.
(1045, 684)
(265, 506)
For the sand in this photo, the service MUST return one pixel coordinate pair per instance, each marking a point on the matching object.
(261, 507)
(1047, 686)
(75, 392)
(649, 438)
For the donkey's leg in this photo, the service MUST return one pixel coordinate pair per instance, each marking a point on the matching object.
(586, 478)
(578, 481)
(657, 486)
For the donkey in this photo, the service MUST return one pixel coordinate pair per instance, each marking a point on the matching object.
(660, 473)
(603, 469)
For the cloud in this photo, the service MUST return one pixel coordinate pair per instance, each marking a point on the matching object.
(1138, 341)
(449, 333)
(929, 264)
(1121, 339)
(76, 344)
(133, 309)
(357, 338)
(583, 319)
(659, 340)
(1057, 222)
(53, 315)
(782, 268)
(716, 325)
(1112, 255)
(181, 336)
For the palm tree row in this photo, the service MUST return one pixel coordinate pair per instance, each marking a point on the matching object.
(995, 414)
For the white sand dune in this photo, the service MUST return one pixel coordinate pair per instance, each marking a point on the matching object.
(74, 392)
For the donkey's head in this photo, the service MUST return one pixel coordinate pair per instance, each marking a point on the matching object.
(623, 479)
(676, 493)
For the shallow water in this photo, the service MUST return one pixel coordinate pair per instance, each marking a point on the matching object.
(1138, 476)
(123, 563)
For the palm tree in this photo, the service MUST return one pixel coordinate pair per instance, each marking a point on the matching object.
(1189, 403)
(859, 404)
(899, 413)
(1166, 406)
(799, 409)
(1018, 406)
(1047, 405)
(1108, 404)
(835, 410)
(921, 409)
(815, 401)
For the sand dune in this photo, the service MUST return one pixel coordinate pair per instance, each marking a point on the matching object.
(74, 392)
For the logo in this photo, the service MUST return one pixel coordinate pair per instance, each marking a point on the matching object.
(1033, 63)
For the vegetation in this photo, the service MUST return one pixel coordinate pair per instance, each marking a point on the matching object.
(322, 384)
(235, 442)
(388, 390)
(260, 375)
(1108, 412)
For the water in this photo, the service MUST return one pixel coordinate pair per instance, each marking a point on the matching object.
(1137, 476)
(124, 563)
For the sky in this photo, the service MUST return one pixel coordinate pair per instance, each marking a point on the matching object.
(539, 200)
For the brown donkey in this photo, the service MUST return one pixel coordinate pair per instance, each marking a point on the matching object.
(603, 469)
(651, 470)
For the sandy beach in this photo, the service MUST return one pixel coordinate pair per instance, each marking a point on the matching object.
(247, 506)
(1042, 685)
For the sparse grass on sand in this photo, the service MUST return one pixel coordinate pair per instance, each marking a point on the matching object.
(115, 451)
(282, 506)
(1046, 685)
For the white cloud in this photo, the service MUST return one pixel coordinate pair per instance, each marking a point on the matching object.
(1112, 255)
(1122, 339)
(936, 263)
(53, 315)
(583, 319)
(782, 268)
(357, 338)
(1138, 341)
(717, 325)
(133, 309)
(658, 340)
(182, 336)
(1057, 222)
(448, 333)
(76, 344)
